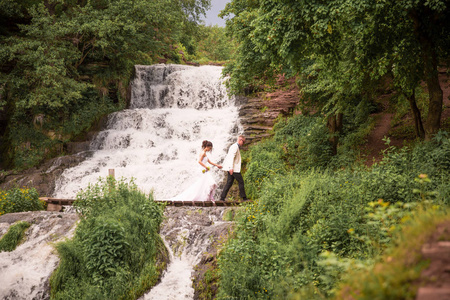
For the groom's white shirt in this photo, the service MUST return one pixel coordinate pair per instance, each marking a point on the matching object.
(233, 159)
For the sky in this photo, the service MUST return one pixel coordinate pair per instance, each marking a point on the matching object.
(211, 15)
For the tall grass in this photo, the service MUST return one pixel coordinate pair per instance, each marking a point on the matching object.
(14, 236)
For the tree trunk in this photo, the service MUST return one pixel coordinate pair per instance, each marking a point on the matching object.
(334, 125)
(433, 122)
(430, 61)
(418, 125)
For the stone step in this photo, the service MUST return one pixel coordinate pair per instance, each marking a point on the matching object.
(257, 127)
(439, 250)
(430, 293)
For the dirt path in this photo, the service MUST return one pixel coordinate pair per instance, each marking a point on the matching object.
(383, 119)
(381, 129)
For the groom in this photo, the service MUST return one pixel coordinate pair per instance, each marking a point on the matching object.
(232, 164)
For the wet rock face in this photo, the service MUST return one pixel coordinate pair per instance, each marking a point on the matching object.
(25, 272)
(193, 230)
(42, 178)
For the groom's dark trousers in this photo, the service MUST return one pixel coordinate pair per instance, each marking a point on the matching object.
(230, 180)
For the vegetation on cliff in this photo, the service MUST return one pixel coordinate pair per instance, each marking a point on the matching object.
(16, 232)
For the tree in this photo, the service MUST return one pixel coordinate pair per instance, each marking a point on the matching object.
(293, 38)
(408, 39)
(249, 66)
(55, 52)
(357, 42)
(214, 45)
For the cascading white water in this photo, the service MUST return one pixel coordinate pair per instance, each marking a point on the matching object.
(157, 141)
(188, 232)
(25, 272)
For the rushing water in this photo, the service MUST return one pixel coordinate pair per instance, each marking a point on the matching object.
(188, 232)
(25, 272)
(157, 141)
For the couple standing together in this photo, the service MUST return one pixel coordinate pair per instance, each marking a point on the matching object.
(204, 188)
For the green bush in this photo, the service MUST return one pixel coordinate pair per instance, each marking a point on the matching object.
(305, 142)
(113, 254)
(19, 200)
(265, 161)
(14, 236)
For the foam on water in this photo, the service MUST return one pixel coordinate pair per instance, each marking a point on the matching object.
(25, 272)
(188, 233)
(157, 141)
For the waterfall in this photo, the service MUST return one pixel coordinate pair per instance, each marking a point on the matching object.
(158, 139)
(157, 142)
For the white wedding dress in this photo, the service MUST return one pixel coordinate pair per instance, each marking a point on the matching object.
(202, 189)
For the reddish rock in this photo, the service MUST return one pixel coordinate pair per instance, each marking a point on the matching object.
(259, 114)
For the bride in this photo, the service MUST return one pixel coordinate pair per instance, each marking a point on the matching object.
(203, 189)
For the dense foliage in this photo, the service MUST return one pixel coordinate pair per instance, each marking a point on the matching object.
(309, 213)
(342, 49)
(14, 236)
(116, 251)
(19, 200)
(213, 45)
(64, 64)
(318, 212)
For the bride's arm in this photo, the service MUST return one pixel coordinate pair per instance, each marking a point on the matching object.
(219, 166)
